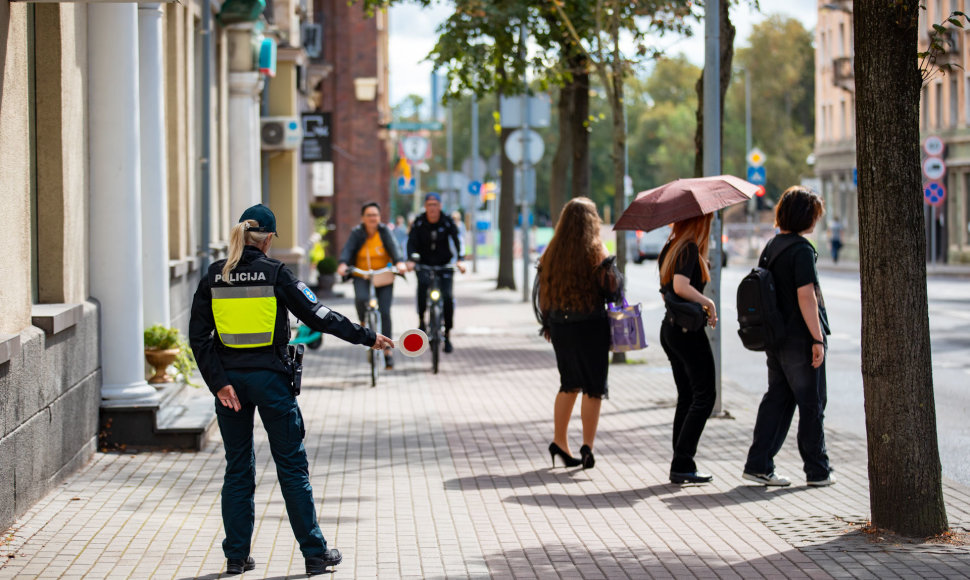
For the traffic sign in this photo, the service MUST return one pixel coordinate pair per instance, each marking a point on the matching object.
(413, 342)
(934, 168)
(415, 148)
(757, 175)
(524, 147)
(756, 158)
(474, 187)
(933, 146)
(934, 193)
(406, 186)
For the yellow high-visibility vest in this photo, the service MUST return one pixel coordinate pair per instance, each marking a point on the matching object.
(245, 316)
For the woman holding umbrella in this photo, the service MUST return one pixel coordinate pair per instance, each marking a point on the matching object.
(689, 204)
(684, 271)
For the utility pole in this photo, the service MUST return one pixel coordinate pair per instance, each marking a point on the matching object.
(712, 164)
(526, 175)
(477, 178)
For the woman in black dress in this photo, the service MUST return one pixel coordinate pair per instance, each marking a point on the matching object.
(684, 271)
(576, 278)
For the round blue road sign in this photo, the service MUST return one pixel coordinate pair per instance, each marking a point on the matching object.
(934, 192)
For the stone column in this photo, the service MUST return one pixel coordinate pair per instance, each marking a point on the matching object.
(244, 144)
(115, 206)
(154, 174)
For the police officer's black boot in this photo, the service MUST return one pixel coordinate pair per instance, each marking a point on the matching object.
(319, 564)
(238, 565)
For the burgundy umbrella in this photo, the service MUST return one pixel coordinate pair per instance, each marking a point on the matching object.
(682, 199)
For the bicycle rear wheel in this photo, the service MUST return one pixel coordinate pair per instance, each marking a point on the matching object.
(434, 325)
(374, 356)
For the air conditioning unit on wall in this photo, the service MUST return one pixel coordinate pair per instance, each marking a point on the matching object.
(278, 133)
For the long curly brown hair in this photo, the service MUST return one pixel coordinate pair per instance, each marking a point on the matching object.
(567, 280)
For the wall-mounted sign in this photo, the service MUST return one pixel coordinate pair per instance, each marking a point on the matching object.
(316, 137)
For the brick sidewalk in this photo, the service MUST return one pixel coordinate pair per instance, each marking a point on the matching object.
(447, 476)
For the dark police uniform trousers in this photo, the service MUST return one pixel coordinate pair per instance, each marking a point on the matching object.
(261, 380)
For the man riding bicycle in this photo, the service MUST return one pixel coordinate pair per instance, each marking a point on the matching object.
(428, 245)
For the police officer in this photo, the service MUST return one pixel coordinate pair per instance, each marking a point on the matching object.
(238, 332)
(428, 244)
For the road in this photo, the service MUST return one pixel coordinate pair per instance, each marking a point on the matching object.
(744, 371)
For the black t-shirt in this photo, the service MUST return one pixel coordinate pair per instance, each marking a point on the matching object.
(794, 268)
(688, 264)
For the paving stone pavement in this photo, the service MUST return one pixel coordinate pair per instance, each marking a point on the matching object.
(448, 476)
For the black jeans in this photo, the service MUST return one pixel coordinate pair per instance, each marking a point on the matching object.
(692, 362)
(385, 294)
(445, 284)
(792, 382)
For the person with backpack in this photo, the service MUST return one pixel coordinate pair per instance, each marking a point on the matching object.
(781, 311)
(684, 271)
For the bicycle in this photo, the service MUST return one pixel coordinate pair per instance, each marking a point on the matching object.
(372, 316)
(436, 319)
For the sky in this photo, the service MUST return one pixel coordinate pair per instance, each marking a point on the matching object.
(413, 34)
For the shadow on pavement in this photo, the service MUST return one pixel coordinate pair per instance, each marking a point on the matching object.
(619, 498)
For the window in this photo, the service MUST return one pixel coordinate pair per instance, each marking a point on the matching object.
(954, 102)
(841, 47)
(924, 104)
(843, 133)
(938, 103)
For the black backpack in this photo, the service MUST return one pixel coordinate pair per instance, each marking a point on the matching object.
(761, 324)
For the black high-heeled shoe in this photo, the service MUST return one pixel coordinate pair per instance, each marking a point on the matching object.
(567, 459)
(587, 457)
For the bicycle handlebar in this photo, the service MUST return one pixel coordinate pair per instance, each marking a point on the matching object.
(443, 268)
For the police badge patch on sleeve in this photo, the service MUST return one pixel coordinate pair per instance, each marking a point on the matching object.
(307, 292)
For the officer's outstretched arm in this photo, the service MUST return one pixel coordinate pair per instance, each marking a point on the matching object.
(303, 303)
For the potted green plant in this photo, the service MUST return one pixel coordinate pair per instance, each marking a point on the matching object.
(165, 347)
(327, 275)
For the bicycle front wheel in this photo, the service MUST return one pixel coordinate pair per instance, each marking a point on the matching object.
(434, 325)
(374, 356)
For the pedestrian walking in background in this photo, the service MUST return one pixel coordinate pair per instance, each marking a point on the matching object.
(796, 368)
(684, 271)
(835, 237)
(576, 279)
(239, 330)
(372, 246)
(401, 232)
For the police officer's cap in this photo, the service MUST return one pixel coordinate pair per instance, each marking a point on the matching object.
(261, 215)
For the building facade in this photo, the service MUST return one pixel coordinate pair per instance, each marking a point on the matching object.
(944, 113)
(129, 146)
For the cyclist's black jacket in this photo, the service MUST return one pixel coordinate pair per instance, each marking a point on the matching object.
(255, 269)
(430, 240)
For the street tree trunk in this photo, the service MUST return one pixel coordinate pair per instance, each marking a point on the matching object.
(905, 490)
(560, 161)
(580, 126)
(506, 220)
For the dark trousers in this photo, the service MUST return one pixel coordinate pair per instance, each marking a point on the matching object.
(269, 392)
(445, 283)
(385, 294)
(692, 363)
(792, 382)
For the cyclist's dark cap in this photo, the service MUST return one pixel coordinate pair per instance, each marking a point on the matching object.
(433, 196)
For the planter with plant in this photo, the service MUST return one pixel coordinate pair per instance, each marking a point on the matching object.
(165, 347)
(327, 275)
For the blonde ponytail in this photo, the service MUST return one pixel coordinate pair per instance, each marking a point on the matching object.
(240, 236)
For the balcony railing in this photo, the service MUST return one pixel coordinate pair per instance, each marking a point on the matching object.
(843, 73)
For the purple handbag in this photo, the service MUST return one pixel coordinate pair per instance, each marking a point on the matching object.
(626, 327)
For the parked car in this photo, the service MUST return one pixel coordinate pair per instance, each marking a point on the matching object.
(650, 243)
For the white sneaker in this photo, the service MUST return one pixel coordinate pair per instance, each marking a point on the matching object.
(770, 479)
(822, 482)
